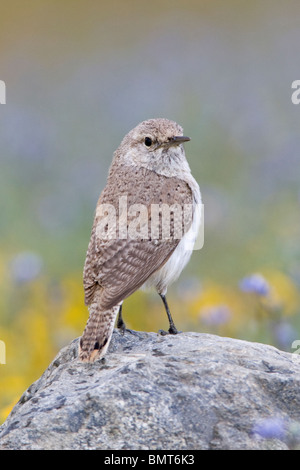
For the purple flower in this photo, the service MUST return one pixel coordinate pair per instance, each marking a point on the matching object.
(255, 283)
(215, 315)
(25, 267)
(284, 334)
(270, 428)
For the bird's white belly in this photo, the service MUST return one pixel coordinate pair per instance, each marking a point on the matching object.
(171, 270)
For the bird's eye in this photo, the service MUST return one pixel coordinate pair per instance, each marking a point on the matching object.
(148, 141)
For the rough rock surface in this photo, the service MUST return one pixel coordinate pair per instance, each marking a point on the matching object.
(190, 391)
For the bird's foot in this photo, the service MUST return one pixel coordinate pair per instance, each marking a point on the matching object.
(172, 331)
(132, 332)
(121, 326)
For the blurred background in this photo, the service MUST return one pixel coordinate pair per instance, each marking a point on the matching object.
(79, 75)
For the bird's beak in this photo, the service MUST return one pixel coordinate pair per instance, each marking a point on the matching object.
(178, 139)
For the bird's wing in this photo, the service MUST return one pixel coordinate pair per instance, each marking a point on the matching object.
(120, 262)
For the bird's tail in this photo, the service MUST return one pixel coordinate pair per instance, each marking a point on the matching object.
(98, 331)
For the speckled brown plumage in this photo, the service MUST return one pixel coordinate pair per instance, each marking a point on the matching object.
(117, 267)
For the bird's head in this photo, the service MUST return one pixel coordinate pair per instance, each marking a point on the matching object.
(155, 144)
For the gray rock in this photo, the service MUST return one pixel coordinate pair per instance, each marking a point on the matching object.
(190, 391)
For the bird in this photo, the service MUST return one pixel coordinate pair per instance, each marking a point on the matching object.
(132, 245)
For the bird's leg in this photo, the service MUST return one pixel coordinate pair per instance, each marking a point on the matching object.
(172, 328)
(120, 322)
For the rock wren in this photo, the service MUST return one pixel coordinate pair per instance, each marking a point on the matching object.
(149, 171)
